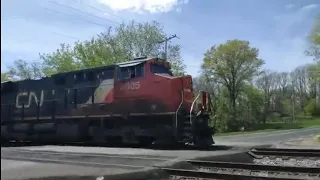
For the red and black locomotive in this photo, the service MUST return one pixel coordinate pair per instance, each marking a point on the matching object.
(138, 101)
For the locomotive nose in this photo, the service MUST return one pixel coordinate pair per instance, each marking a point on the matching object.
(187, 83)
(187, 89)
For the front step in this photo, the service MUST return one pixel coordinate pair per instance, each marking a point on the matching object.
(187, 135)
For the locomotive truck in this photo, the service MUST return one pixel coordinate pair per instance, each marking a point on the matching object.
(137, 101)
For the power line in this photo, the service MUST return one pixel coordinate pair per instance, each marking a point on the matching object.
(65, 35)
(10, 18)
(58, 12)
(90, 14)
(92, 7)
(108, 20)
(166, 40)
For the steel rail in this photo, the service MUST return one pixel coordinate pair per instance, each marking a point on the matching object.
(255, 167)
(226, 176)
(286, 150)
(285, 153)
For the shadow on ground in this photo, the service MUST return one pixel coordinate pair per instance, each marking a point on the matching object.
(153, 147)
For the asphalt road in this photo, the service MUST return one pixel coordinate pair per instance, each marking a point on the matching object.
(11, 170)
(18, 169)
(265, 138)
(22, 169)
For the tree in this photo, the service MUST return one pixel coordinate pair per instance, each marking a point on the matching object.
(314, 46)
(267, 83)
(177, 66)
(24, 70)
(62, 60)
(282, 81)
(252, 104)
(233, 64)
(314, 40)
(125, 42)
(5, 77)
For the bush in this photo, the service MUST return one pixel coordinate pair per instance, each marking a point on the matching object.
(311, 108)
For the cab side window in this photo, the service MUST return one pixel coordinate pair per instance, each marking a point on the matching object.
(79, 77)
(159, 68)
(130, 72)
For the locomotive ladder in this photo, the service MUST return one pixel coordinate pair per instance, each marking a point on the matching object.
(186, 124)
(187, 134)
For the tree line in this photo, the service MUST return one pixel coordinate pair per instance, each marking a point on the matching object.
(241, 92)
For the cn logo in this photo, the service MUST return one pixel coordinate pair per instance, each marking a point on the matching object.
(130, 86)
(30, 97)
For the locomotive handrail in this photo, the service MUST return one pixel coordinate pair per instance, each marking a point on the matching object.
(182, 100)
(195, 99)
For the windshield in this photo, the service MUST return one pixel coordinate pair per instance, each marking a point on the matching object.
(160, 69)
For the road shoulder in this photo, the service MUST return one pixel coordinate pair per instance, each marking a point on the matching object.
(305, 142)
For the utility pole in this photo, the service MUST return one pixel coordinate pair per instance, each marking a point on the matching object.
(318, 95)
(166, 44)
(293, 106)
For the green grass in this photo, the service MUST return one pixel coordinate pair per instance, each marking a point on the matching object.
(276, 126)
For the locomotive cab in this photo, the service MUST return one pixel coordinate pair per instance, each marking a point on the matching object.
(147, 89)
(152, 79)
(150, 85)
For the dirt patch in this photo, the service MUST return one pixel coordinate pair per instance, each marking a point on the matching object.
(310, 141)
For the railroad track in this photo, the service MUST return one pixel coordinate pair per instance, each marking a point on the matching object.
(244, 171)
(249, 171)
(262, 152)
(194, 170)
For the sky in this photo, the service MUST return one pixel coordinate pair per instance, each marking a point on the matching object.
(278, 28)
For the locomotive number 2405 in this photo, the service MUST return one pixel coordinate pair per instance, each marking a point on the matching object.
(130, 86)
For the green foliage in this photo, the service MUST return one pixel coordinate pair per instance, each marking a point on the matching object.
(232, 64)
(314, 40)
(286, 105)
(254, 102)
(221, 112)
(119, 44)
(24, 70)
(311, 108)
(279, 125)
(282, 97)
(5, 77)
